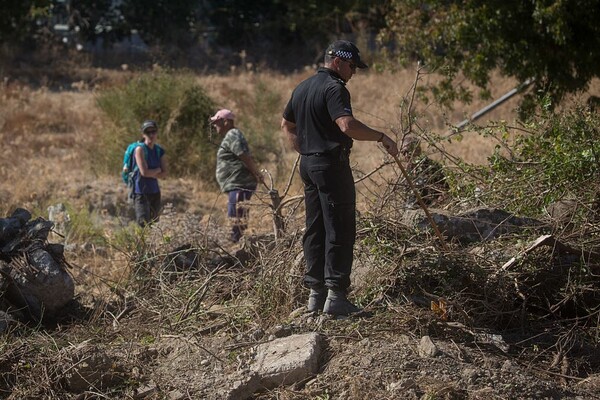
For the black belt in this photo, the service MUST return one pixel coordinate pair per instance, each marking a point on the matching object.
(336, 151)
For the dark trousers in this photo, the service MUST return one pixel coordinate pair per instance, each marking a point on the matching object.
(147, 208)
(237, 213)
(330, 200)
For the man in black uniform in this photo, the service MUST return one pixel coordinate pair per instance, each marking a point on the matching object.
(319, 124)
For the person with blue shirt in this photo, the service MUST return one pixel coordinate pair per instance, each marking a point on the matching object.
(151, 165)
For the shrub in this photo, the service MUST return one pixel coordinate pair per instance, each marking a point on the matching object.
(259, 117)
(179, 105)
(83, 228)
(557, 160)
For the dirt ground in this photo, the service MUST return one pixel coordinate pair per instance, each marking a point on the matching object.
(382, 355)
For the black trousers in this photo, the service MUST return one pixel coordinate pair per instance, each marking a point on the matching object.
(330, 200)
(147, 208)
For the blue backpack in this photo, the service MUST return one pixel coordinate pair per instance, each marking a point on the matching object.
(129, 166)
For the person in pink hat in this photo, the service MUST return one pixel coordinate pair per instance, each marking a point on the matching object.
(237, 173)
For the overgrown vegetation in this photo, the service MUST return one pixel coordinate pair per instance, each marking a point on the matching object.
(556, 157)
(548, 291)
(260, 123)
(179, 105)
(182, 109)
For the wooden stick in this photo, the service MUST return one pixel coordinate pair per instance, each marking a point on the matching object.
(421, 203)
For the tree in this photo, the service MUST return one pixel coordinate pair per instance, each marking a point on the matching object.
(96, 19)
(290, 31)
(157, 22)
(555, 43)
(18, 16)
(163, 22)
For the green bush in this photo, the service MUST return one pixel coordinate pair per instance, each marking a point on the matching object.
(179, 105)
(259, 118)
(83, 227)
(557, 160)
(262, 120)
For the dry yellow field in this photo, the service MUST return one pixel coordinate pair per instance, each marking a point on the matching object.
(45, 134)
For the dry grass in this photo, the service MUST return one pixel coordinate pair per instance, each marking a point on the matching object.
(44, 136)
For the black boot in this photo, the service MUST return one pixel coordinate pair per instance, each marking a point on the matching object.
(338, 304)
(316, 299)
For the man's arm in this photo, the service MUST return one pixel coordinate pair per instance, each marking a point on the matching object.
(251, 165)
(359, 131)
(289, 128)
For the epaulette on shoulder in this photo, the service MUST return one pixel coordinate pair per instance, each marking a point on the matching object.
(339, 80)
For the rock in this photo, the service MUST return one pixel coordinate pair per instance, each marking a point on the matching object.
(494, 339)
(176, 395)
(562, 212)
(257, 334)
(279, 331)
(507, 366)
(60, 217)
(145, 391)
(288, 360)
(86, 366)
(472, 226)
(427, 348)
(243, 387)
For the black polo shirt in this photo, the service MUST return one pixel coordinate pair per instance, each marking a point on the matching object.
(314, 106)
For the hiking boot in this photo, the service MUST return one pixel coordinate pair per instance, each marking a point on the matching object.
(316, 299)
(338, 304)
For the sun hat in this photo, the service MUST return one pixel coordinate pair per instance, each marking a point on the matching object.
(147, 124)
(346, 50)
(223, 114)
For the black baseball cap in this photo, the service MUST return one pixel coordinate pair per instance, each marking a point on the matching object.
(346, 50)
(147, 124)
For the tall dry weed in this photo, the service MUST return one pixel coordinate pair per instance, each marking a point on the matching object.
(44, 135)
